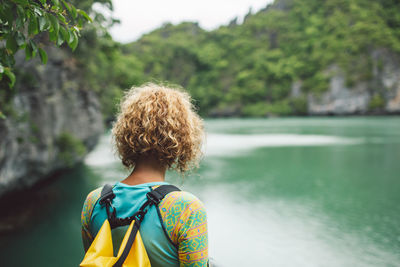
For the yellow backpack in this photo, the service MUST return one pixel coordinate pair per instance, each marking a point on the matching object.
(132, 252)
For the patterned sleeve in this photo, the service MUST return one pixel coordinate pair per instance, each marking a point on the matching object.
(86, 214)
(185, 221)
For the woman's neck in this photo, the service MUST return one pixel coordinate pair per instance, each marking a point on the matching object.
(147, 169)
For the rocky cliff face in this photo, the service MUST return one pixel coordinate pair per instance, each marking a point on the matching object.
(380, 94)
(53, 122)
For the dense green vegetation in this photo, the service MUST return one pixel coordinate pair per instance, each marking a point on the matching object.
(249, 69)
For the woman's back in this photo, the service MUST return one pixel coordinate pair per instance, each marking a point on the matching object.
(174, 233)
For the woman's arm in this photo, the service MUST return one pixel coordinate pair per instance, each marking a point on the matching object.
(185, 219)
(86, 214)
(193, 237)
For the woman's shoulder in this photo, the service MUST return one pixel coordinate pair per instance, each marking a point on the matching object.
(181, 211)
(90, 202)
(179, 200)
(93, 196)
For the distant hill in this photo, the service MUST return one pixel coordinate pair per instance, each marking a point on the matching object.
(294, 57)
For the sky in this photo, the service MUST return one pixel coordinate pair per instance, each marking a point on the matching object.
(139, 17)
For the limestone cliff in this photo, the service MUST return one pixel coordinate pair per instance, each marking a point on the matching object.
(379, 94)
(53, 122)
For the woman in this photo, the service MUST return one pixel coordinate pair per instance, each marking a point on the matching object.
(156, 130)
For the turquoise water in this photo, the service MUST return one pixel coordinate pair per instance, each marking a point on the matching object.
(279, 192)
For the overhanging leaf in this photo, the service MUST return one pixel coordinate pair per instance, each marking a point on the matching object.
(33, 45)
(86, 16)
(43, 55)
(10, 76)
(74, 44)
(38, 11)
(67, 6)
(71, 36)
(11, 44)
(53, 36)
(73, 12)
(54, 23)
(42, 23)
(61, 18)
(28, 52)
(65, 34)
(60, 40)
(33, 26)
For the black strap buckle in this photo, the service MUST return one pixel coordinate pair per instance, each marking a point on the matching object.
(153, 198)
(106, 194)
(113, 213)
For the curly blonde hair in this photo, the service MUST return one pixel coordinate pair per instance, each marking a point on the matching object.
(159, 121)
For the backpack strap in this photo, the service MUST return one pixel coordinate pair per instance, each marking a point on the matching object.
(157, 194)
(106, 194)
(128, 245)
(154, 197)
(106, 197)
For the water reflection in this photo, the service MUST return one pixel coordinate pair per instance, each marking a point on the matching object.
(228, 144)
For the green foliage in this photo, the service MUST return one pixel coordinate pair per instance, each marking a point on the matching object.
(70, 148)
(253, 65)
(22, 23)
(376, 103)
(245, 69)
(299, 105)
(261, 109)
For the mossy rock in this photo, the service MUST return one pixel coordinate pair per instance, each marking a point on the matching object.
(70, 148)
(376, 103)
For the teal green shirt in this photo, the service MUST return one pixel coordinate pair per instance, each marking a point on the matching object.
(174, 233)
